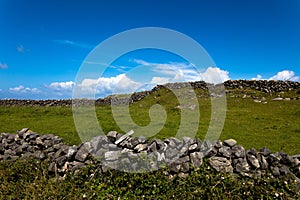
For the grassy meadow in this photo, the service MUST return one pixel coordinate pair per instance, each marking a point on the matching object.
(275, 124)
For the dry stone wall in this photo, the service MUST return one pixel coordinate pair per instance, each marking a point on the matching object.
(268, 87)
(224, 156)
(263, 85)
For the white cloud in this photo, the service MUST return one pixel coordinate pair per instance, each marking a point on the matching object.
(59, 89)
(258, 77)
(17, 89)
(22, 89)
(285, 75)
(215, 75)
(183, 72)
(68, 85)
(104, 86)
(34, 90)
(159, 80)
(120, 69)
(142, 62)
(3, 66)
(179, 71)
(173, 71)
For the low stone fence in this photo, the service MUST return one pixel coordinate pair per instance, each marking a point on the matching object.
(268, 87)
(263, 85)
(138, 153)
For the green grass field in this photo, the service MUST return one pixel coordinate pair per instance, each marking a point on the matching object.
(275, 125)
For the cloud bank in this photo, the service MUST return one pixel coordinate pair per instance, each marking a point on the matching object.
(162, 73)
(68, 85)
(183, 72)
(108, 85)
(22, 89)
(284, 75)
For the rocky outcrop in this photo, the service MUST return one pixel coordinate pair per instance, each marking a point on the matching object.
(268, 87)
(181, 156)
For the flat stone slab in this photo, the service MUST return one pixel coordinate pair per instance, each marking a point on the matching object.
(230, 142)
(123, 137)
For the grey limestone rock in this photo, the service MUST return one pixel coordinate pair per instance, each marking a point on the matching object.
(171, 153)
(218, 144)
(71, 152)
(241, 165)
(137, 153)
(253, 161)
(112, 136)
(141, 147)
(224, 151)
(230, 142)
(111, 155)
(193, 147)
(263, 162)
(123, 137)
(221, 164)
(82, 152)
(238, 151)
(196, 159)
(275, 171)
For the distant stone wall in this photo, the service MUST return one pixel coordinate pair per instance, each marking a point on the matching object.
(183, 156)
(263, 85)
(268, 87)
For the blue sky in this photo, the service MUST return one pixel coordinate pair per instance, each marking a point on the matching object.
(43, 43)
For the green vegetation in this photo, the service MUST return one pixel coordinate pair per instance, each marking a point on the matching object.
(18, 180)
(55, 120)
(274, 125)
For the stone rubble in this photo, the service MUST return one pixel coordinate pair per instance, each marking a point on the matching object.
(181, 156)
